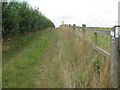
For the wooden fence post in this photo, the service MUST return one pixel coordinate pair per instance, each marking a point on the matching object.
(119, 63)
(74, 27)
(119, 45)
(115, 55)
(95, 38)
(0, 45)
(115, 58)
(84, 34)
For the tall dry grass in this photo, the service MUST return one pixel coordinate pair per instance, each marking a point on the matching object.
(81, 66)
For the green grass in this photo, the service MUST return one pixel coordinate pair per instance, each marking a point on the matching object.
(54, 59)
(104, 28)
(17, 44)
(102, 40)
(21, 61)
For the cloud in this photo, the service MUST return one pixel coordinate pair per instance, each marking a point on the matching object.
(90, 12)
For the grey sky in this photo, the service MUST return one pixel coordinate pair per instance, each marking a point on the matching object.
(90, 12)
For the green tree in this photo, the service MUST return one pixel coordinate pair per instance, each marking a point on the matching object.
(20, 17)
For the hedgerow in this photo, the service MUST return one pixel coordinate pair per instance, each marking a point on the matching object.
(20, 17)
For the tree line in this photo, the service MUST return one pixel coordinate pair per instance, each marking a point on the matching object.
(20, 17)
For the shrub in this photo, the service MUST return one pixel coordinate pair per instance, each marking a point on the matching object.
(20, 17)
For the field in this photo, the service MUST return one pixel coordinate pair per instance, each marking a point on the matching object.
(54, 58)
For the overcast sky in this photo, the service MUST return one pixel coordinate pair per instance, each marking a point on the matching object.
(90, 12)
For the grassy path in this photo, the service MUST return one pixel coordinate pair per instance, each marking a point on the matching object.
(24, 67)
(49, 71)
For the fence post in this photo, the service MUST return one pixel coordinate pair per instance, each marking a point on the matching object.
(119, 45)
(115, 54)
(95, 38)
(0, 45)
(74, 27)
(83, 34)
(119, 61)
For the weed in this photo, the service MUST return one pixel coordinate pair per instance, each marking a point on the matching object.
(97, 66)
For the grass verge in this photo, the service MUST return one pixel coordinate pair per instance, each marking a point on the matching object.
(20, 61)
(81, 65)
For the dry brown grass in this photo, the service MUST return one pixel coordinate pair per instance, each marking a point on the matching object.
(81, 66)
